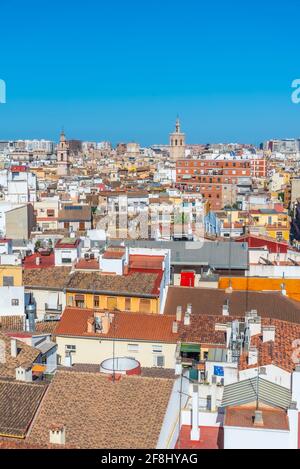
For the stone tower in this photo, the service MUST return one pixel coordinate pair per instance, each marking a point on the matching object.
(63, 151)
(177, 143)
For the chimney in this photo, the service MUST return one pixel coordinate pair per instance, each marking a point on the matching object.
(175, 327)
(268, 333)
(187, 319)
(37, 260)
(13, 348)
(178, 313)
(213, 402)
(258, 419)
(195, 432)
(254, 324)
(283, 289)
(189, 308)
(229, 289)
(106, 320)
(91, 325)
(57, 434)
(178, 367)
(225, 308)
(252, 356)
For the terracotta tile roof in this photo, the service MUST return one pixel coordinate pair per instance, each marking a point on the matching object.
(53, 277)
(145, 371)
(241, 416)
(138, 283)
(209, 301)
(113, 254)
(279, 352)
(135, 326)
(202, 331)
(26, 355)
(67, 243)
(12, 323)
(45, 327)
(130, 415)
(87, 264)
(145, 262)
(18, 404)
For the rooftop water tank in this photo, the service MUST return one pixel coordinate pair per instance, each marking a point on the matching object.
(121, 365)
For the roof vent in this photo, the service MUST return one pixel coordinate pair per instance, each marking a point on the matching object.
(225, 308)
(57, 434)
(13, 348)
(258, 419)
(178, 313)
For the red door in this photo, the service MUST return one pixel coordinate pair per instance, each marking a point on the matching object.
(187, 279)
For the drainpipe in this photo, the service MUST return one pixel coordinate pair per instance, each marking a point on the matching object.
(195, 432)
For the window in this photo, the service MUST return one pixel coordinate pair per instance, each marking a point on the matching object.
(15, 302)
(127, 304)
(79, 301)
(112, 302)
(133, 347)
(96, 301)
(145, 306)
(8, 281)
(159, 360)
(70, 300)
(156, 348)
(70, 348)
(66, 260)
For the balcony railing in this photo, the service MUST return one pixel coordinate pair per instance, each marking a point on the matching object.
(53, 309)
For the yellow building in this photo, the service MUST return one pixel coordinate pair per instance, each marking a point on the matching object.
(136, 292)
(90, 336)
(102, 300)
(11, 275)
(271, 223)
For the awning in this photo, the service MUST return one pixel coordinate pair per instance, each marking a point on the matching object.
(38, 368)
(79, 297)
(195, 348)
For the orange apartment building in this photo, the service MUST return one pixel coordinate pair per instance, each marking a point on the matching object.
(215, 179)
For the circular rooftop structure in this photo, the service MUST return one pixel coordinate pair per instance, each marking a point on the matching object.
(121, 365)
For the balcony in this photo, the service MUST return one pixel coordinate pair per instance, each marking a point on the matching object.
(51, 309)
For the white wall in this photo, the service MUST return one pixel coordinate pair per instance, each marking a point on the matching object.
(273, 271)
(230, 371)
(170, 427)
(7, 294)
(273, 373)
(72, 254)
(112, 265)
(95, 350)
(255, 438)
(41, 298)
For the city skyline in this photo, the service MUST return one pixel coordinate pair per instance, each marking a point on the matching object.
(122, 72)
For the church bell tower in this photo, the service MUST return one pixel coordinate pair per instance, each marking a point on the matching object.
(63, 153)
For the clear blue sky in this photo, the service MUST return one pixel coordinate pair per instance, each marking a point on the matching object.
(122, 70)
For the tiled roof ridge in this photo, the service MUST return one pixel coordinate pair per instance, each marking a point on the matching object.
(106, 375)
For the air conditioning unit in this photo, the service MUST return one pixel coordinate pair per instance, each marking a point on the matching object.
(159, 361)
